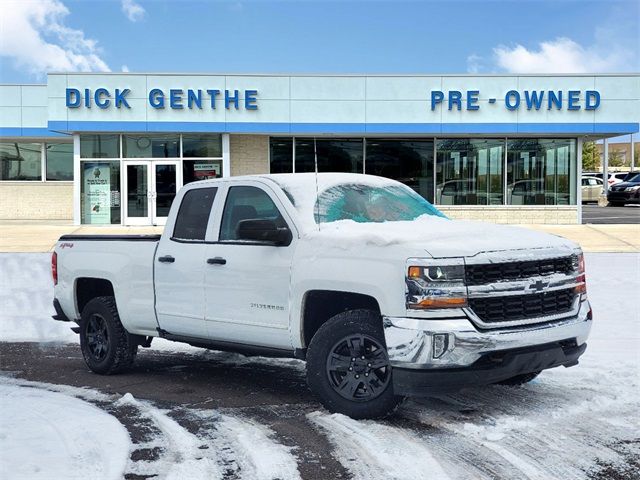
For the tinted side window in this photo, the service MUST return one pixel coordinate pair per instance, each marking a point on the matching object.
(245, 203)
(193, 216)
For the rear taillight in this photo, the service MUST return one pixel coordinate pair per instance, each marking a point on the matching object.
(54, 267)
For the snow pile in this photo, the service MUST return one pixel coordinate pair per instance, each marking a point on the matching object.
(48, 435)
(26, 296)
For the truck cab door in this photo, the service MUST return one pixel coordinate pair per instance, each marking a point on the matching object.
(247, 282)
(179, 266)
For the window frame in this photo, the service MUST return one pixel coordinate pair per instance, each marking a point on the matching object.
(217, 192)
(274, 199)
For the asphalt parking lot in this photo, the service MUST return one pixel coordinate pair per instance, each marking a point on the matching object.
(629, 214)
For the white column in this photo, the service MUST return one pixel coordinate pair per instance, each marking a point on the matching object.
(605, 165)
(579, 180)
(77, 181)
(226, 155)
(633, 156)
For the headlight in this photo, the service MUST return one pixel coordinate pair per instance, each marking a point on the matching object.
(632, 189)
(436, 286)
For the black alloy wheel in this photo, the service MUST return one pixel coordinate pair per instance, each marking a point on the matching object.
(348, 367)
(106, 346)
(97, 337)
(358, 368)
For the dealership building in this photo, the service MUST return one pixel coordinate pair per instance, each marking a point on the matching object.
(115, 148)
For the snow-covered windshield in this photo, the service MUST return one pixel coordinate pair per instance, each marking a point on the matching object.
(371, 204)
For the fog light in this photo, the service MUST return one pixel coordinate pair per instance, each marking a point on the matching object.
(440, 344)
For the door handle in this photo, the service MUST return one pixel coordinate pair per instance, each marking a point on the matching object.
(216, 261)
(166, 259)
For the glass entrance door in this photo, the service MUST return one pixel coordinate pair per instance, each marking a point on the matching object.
(150, 190)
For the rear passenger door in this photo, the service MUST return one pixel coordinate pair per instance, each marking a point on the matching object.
(180, 267)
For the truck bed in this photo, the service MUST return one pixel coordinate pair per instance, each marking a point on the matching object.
(110, 238)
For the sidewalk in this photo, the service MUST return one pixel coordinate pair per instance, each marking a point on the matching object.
(41, 237)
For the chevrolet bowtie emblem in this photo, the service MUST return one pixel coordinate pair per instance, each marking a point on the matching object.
(538, 286)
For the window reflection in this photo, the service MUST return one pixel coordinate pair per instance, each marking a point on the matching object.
(334, 154)
(150, 146)
(100, 146)
(540, 172)
(20, 161)
(407, 161)
(202, 145)
(281, 154)
(59, 161)
(469, 172)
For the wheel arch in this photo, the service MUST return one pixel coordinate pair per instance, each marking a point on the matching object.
(88, 288)
(318, 306)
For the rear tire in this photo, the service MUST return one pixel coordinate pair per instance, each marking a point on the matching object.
(348, 367)
(518, 379)
(106, 346)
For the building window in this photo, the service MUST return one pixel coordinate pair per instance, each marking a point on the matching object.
(59, 161)
(469, 172)
(407, 161)
(541, 171)
(281, 154)
(334, 154)
(20, 161)
(100, 192)
(150, 146)
(202, 146)
(194, 170)
(100, 146)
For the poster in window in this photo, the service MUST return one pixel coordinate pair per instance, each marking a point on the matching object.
(205, 171)
(97, 193)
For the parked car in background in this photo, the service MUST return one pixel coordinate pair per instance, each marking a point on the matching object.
(625, 192)
(613, 177)
(591, 188)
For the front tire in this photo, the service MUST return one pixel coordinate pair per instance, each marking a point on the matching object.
(348, 367)
(106, 346)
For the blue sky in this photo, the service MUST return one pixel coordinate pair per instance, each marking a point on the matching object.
(317, 36)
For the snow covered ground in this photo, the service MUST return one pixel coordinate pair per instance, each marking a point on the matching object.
(576, 423)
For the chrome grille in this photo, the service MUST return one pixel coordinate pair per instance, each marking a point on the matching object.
(496, 309)
(501, 272)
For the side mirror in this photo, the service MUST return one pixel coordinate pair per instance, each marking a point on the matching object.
(267, 231)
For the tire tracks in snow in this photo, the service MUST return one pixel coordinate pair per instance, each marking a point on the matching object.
(375, 450)
(559, 426)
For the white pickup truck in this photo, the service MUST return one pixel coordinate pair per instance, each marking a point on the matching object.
(380, 293)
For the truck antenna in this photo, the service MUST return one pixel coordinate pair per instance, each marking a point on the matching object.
(315, 161)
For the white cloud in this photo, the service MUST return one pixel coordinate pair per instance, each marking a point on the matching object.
(33, 33)
(561, 55)
(474, 63)
(125, 69)
(134, 11)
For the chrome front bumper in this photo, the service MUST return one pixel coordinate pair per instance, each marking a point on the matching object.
(410, 341)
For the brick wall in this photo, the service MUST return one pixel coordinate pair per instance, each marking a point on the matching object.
(36, 201)
(249, 154)
(528, 215)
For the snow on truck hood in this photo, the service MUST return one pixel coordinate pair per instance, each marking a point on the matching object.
(440, 237)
